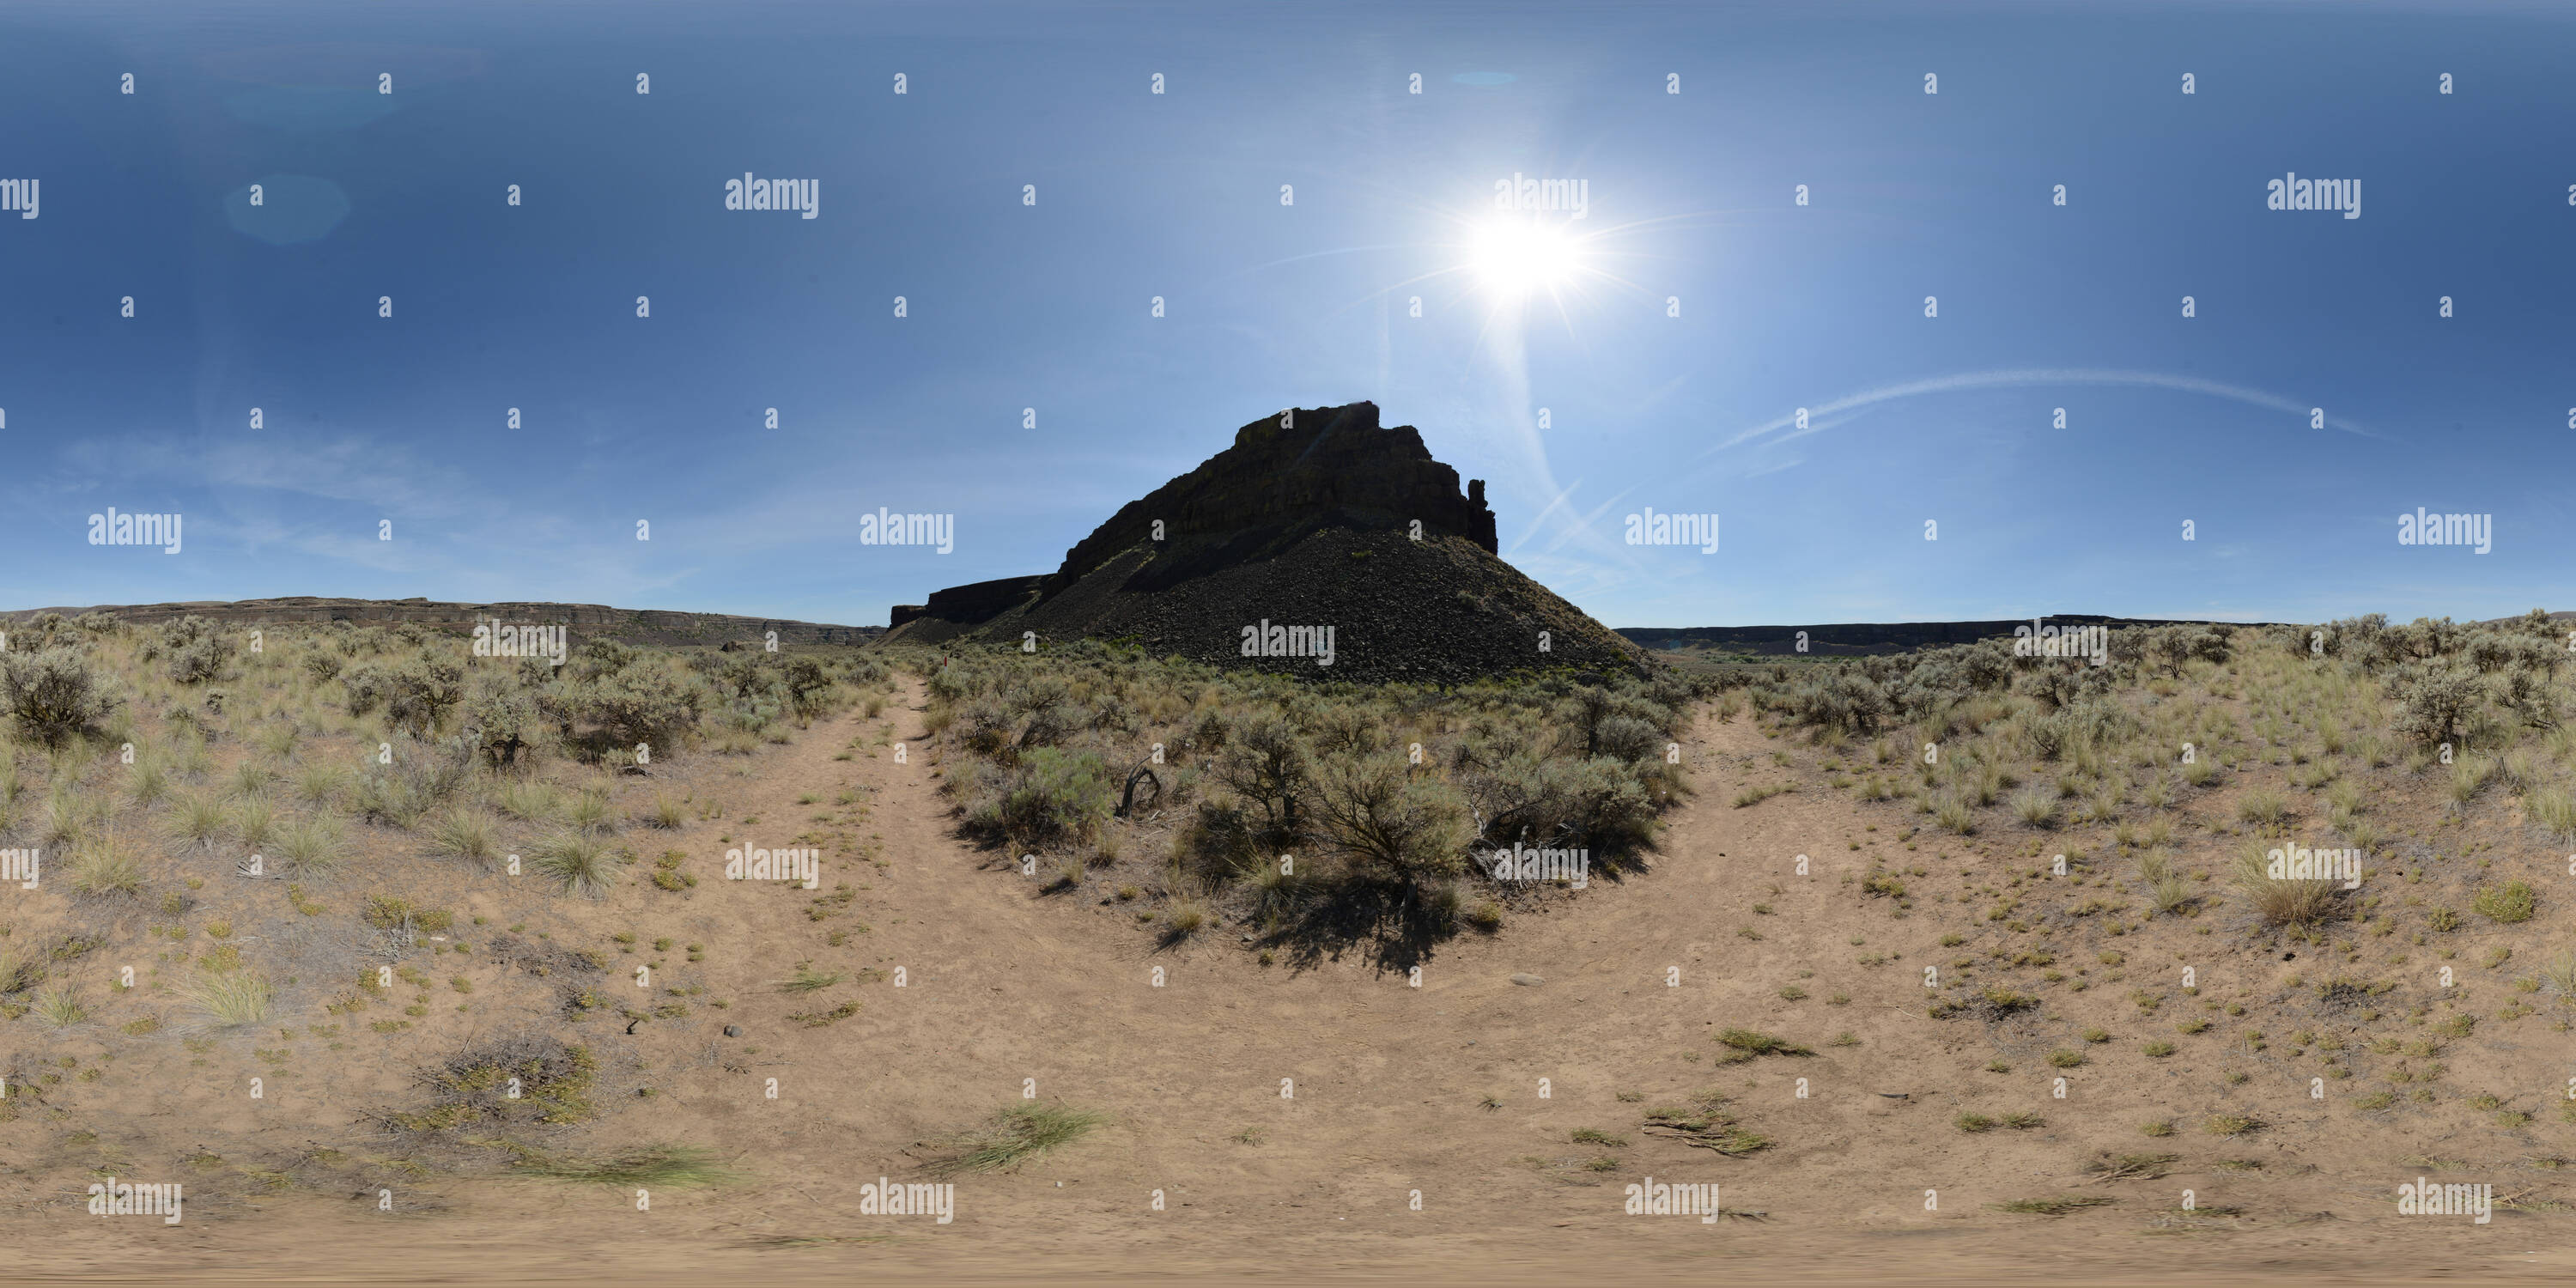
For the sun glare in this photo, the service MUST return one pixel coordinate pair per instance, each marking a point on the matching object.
(1518, 256)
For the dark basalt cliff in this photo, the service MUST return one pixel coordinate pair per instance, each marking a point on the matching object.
(1314, 517)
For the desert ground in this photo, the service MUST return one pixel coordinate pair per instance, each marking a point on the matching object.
(1478, 1121)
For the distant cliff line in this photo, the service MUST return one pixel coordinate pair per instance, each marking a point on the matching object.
(630, 625)
(1845, 639)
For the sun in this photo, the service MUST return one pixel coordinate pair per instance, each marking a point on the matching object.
(1516, 257)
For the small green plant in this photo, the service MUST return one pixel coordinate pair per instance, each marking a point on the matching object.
(2511, 902)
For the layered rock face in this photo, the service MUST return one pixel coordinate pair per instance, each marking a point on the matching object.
(1309, 521)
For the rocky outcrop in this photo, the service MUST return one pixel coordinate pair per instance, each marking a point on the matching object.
(1315, 518)
(631, 625)
(1295, 473)
(972, 603)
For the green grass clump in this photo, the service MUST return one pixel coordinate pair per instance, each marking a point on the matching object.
(580, 861)
(1013, 1136)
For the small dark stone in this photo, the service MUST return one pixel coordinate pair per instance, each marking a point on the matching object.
(733, 1030)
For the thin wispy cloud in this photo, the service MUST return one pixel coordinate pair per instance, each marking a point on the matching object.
(2030, 379)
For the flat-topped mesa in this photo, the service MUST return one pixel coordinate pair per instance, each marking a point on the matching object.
(1291, 473)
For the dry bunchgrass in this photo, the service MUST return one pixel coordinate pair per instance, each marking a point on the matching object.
(229, 999)
(2285, 901)
(1013, 1136)
(579, 861)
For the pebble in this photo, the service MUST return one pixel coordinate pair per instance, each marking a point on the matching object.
(733, 1030)
(1526, 978)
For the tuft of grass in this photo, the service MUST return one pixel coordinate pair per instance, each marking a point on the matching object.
(646, 1167)
(201, 817)
(589, 810)
(1186, 917)
(2130, 1167)
(1013, 1136)
(59, 1009)
(2230, 1125)
(2560, 971)
(532, 801)
(2263, 807)
(465, 833)
(101, 867)
(320, 784)
(809, 980)
(669, 812)
(254, 821)
(228, 1001)
(577, 859)
(2286, 901)
(2035, 806)
(2059, 1205)
(1751, 1044)
(310, 845)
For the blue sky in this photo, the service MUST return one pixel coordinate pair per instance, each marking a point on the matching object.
(1178, 195)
